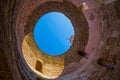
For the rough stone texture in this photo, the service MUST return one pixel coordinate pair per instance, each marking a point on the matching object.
(4, 68)
(52, 66)
(102, 45)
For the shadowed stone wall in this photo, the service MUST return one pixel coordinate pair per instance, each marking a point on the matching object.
(100, 39)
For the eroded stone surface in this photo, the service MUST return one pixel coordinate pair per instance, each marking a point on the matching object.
(103, 41)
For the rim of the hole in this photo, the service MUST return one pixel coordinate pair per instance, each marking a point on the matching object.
(69, 40)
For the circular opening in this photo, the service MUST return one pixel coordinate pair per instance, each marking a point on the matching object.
(54, 33)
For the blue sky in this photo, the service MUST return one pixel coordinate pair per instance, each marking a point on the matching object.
(52, 32)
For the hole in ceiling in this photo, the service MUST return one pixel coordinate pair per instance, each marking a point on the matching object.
(54, 33)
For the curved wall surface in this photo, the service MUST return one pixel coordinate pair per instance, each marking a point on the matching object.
(94, 55)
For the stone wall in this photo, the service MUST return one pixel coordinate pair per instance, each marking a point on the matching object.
(99, 38)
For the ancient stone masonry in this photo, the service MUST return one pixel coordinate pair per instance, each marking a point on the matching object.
(94, 55)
